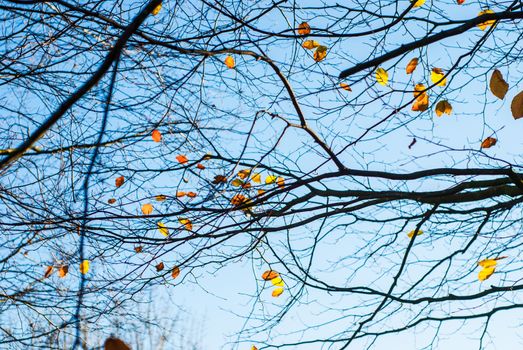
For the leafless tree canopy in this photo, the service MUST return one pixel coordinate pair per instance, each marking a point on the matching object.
(159, 145)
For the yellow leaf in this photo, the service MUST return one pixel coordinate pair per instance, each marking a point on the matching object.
(411, 66)
(310, 44)
(278, 282)
(229, 62)
(382, 76)
(186, 222)
(270, 179)
(163, 229)
(488, 142)
(486, 24)
(411, 233)
(256, 178)
(175, 272)
(438, 77)
(304, 28)
(156, 10)
(243, 174)
(277, 292)
(443, 107)
(487, 263)
(254, 348)
(485, 273)
(63, 270)
(269, 275)
(498, 85)
(84, 267)
(147, 208)
(418, 3)
(517, 106)
(320, 53)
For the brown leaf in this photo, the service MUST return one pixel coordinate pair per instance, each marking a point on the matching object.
(115, 344)
(488, 142)
(218, 179)
(111, 200)
(119, 181)
(138, 249)
(498, 85)
(517, 106)
(48, 271)
(62, 271)
(160, 267)
(175, 272)
(411, 66)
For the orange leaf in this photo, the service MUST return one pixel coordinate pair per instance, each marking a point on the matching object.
(460, 2)
(304, 28)
(320, 53)
(421, 104)
(229, 62)
(280, 181)
(186, 222)
(488, 142)
(119, 181)
(180, 194)
(156, 135)
(115, 344)
(160, 198)
(238, 199)
(63, 270)
(345, 86)
(176, 272)
(147, 208)
(277, 292)
(200, 166)
(181, 159)
(269, 275)
(243, 174)
(111, 200)
(138, 249)
(48, 271)
(411, 66)
(191, 194)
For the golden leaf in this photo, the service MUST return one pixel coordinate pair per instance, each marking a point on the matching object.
(236, 182)
(486, 24)
(345, 86)
(280, 181)
(229, 62)
(485, 273)
(498, 85)
(517, 106)
(411, 233)
(157, 10)
(320, 53)
(238, 199)
(256, 178)
(418, 3)
(421, 104)
(147, 208)
(310, 44)
(186, 222)
(304, 28)
(382, 76)
(84, 267)
(487, 263)
(278, 282)
(277, 292)
(438, 77)
(411, 66)
(443, 107)
(163, 229)
(270, 179)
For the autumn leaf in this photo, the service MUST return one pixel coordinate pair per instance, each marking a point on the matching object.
(163, 229)
(443, 107)
(517, 106)
(488, 142)
(488, 263)
(254, 348)
(304, 28)
(421, 103)
(278, 282)
(115, 344)
(256, 178)
(320, 53)
(498, 85)
(236, 182)
(310, 44)
(438, 77)
(84, 267)
(280, 181)
(418, 3)
(48, 271)
(119, 181)
(229, 62)
(243, 174)
(186, 222)
(200, 166)
(111, 200)
(160, 198)
(486, 24)
(246, 185)
(160, 267)
(157, 10)
(260, 192)
(382, 76)
(175, 272)
(191, 194)
(345, 86)
(62, 271)
(277, 292)
(180, 194)
(218, 179)
(411, 66)
(485, 273)
(269, 275)
(147, 208)
(460, 2)
(156, 135)
(138, 249)
(411, 233)
(181, 159)
(270, 179)
(238, 199)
